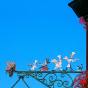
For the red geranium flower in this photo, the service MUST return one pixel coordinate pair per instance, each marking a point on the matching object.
(83, 82)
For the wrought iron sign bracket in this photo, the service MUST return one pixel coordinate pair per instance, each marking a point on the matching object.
(50, 79)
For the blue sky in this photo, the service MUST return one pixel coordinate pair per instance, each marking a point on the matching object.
(36, 29)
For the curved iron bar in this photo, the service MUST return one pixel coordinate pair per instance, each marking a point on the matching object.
(50, 79)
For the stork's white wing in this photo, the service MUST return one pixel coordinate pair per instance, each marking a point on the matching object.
(66, 58)
(75, 60)
(54, 60)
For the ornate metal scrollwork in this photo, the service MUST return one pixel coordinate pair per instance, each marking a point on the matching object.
(51, 79)
(59, 77)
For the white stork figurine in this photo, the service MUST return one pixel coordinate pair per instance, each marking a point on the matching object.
(70, 60)
(58, 63)
(34, 65)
